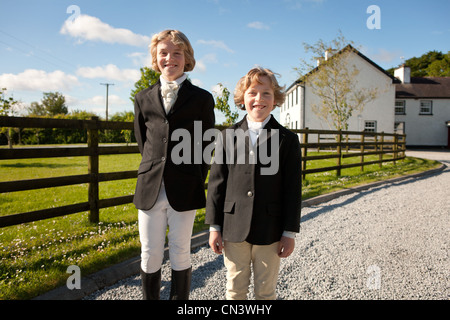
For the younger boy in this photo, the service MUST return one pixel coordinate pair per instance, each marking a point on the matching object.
(256, 215)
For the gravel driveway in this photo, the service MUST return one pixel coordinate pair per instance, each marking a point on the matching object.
(387, 242)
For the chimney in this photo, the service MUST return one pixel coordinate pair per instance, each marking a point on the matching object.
(319, 60)
(403, 73)
(328, 53)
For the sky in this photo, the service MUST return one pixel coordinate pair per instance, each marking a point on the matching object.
(75, 47)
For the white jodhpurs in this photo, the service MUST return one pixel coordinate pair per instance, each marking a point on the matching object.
(152, 233)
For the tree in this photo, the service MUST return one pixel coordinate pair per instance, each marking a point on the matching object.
(7, 109)
(439, 68)
(148, 78)
(36, 109)
(334, 82)
(420, 65)
(54, 103)
(431, 64)
(222, 96)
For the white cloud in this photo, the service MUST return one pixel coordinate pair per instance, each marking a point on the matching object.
(197, 82)
(258, 25)
(200, 64)
(32, 79)
(216, 44)
(101, 101)
(110, 72)
(97, 104)
(217, 89)
(140, 59)
(90, 28)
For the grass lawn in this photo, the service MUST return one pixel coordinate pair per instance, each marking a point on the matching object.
(34, 257)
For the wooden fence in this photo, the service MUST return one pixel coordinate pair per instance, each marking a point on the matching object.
(347, 144)
(368, 144)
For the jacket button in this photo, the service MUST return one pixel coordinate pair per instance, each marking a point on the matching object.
(250, 194)
(163, 159)
(164, 140)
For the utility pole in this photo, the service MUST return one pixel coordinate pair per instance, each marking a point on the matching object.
(107, 87)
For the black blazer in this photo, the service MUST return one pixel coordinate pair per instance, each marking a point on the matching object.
(153, 129)
(250, 206)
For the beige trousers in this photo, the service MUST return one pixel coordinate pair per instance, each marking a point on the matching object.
(239, 258)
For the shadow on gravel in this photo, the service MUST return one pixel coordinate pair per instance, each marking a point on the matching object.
(324, 208)
(199, 275)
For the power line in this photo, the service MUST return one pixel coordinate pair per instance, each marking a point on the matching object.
(36, 48)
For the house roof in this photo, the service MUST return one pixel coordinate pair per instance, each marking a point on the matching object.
(426, 87)
(347, 48)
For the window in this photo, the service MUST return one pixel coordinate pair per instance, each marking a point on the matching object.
(426, 107)
(288, 120)
(370, 126)
(400, 107)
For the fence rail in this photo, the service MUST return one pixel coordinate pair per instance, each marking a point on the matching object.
(375, 143)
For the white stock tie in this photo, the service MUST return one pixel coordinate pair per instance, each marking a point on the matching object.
(169, 92)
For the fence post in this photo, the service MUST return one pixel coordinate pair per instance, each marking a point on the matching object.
(346, 141)
(381, 149)
(304, 152)
(318, 142)
(339, 152)
(395, 148)
(362, 151)
(93, 171)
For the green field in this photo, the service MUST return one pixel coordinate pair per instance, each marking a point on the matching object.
(34, 257)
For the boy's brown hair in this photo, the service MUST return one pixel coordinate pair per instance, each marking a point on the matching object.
(178, 38)
(255, 74)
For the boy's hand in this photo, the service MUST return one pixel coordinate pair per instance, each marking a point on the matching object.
(215, 241)
(286, 247)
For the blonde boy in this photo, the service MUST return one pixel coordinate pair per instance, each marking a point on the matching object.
(253, 217)
(167, 194)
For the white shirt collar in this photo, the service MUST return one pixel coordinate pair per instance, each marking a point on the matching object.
(258, 125)
(179, 81)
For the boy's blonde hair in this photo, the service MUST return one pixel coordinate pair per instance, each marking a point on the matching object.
(255, 74)
(178, 38)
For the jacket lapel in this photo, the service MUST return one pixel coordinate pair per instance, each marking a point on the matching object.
(155, 99)
(272, 124)
(184, 94)
(244, 126)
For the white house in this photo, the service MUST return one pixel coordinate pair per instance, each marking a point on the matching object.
(377, 115)
(422, 109)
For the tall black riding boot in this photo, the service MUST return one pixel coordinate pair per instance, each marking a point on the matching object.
(181, 284)
(151, 285)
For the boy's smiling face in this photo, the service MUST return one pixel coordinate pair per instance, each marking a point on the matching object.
(259, 100)
(170, 60)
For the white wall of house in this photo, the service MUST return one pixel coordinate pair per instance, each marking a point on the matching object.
(290, 112)
(297, 111)
(425, 129)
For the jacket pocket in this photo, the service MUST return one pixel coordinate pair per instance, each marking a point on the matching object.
(145, 166)
(228, 207)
